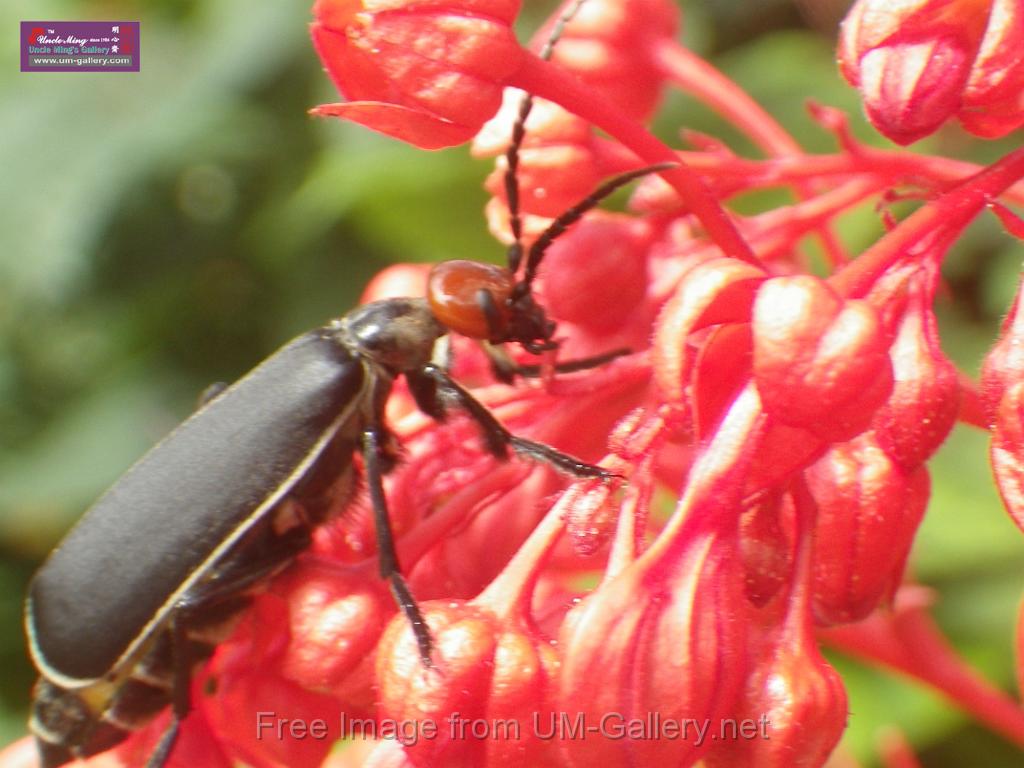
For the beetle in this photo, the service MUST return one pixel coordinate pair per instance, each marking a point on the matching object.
(155, 573)
(151, 578)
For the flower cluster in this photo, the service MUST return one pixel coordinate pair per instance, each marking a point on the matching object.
(789, 415)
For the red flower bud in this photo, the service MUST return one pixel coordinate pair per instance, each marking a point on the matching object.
(793, 694)
(922, 62)
(868, 512)
(820, 363)
(803, 703)
(424, 72)
(715, 292)
(595, 276)
(1004, 363)
(246, 674)
(561, 160)
(484, 696)
(1008, 451)
(608, 45)
(336, 616)
(664, 636)
(21, 754)
(925, 397)
(397, 281)
(766, 549)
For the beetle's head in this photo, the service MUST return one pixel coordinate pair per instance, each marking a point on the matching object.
(484, 301)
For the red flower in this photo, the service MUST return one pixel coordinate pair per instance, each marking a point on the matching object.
(430, 73)
(925, 397)
(665, 636)
(821, 363)
(921, 63)
(609, 43)
(793, 695)
(868, 513)
(491, 687)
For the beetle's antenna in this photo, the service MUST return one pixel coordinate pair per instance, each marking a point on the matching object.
(571, 216)
(515, 222)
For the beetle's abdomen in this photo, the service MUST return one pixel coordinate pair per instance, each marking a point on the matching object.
(186, 500)
(182, 539)
(70, 724)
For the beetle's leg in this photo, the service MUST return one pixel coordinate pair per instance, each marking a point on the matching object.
(497, 438)
(181, 693)
(434, 401)
(374, 441)
(209, 602)
(505, 369)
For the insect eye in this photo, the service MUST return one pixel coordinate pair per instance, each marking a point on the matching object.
(455, 292)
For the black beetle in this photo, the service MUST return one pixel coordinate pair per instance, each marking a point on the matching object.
(155, 573)
(152, 576)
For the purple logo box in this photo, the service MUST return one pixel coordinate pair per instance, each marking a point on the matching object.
(80, 46)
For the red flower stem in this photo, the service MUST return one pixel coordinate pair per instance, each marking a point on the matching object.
(717, 478)
(944, 217)
(798, 613)
(548, 81)
(697, 77)
(773, 233)
(509, 594)
(632, 518)
(891, 167)
(972, 410)
(910, 642)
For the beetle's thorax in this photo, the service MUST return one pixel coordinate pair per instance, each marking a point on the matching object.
(397, 334)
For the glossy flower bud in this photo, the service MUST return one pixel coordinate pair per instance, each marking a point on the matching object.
(794, 705)
(715, 292)
(561, 159)
(925, 397)
(1002, 391)
(1004, 363)
(246, 674)
(608, 45)
(397, 281)
(821, 363)
(596, 275)
(335, 617)
(665, 637)
(921, 62)
(868, 512)
(1007, 451)
(766, 549)
(480, 705)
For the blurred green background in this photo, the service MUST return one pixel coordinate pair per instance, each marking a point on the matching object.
(163, 230)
